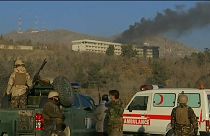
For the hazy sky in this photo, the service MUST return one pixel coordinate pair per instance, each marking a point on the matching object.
(95, 18)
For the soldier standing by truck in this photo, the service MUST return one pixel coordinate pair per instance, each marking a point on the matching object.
(53, 115)
(184, 121)
(19, 82)
(114, 114)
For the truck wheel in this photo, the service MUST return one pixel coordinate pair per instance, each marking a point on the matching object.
(170, 133)
(4, 134)
(204, 134)
(63, 86)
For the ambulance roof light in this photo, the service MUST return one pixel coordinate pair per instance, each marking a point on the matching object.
(148, 87)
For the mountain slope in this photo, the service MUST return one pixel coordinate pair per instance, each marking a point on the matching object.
(64, 37)
(56, 37)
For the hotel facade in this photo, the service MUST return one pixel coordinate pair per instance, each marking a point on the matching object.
(95, 46)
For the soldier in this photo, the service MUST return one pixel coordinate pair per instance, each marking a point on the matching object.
(114, 114)
(100, 115)
(19, 82)
(53, 115)
(184, 121)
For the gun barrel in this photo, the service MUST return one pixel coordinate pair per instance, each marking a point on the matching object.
(37, 73)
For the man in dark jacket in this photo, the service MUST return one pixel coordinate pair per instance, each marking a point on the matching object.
(53, 115)
(184, 121)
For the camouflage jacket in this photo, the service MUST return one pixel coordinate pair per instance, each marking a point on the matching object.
(51, 110)
(16, 89)
(53, 116)
(114, 114)
(191, 116)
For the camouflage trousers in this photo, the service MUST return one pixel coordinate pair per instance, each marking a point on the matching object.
(115, 132)
(54, 127)
(19, 101)
(183, 131)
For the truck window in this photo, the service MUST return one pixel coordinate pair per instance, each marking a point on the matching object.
(86, 103)
(76, 102)
(194, 100)
(139, 103)
(164, 100)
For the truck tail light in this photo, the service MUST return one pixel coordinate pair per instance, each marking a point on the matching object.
(39, 121)
(207, 125)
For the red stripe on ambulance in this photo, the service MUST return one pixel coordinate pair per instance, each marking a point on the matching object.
(156, 117)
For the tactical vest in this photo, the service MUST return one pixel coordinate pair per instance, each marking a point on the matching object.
(182, 116)
(20, 79)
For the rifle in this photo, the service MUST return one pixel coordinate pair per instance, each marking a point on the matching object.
(36, 76)
(99, 95)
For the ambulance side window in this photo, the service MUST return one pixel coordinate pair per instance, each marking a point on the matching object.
(164, 100)
(139, 103)
(194, 100)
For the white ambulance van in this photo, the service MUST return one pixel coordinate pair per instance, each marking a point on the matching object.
(150, 111)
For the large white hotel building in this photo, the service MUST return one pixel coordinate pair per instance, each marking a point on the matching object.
(101, 47)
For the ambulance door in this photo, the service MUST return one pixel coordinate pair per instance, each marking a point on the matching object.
(160, 114)
(135, 114)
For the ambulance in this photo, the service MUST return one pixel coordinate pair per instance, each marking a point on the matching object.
(149, 111)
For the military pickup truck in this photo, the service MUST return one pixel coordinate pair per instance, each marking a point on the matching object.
(78, 110)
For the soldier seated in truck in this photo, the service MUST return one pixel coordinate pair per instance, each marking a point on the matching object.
(53, 115)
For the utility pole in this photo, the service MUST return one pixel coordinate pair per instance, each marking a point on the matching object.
(20, 23)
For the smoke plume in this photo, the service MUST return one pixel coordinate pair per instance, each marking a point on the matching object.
(178, 20)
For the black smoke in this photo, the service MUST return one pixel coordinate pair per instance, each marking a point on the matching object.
(177, 20)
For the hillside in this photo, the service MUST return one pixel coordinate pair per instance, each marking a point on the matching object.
(56, 37)
(64, 37)
(116, 72)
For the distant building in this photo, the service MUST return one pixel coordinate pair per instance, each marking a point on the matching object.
(95, 46)
(13, 47)
(151, 51)
(146, 51)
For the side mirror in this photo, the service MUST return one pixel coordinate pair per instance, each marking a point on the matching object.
(129, 109)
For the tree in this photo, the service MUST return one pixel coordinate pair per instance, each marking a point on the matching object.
(159, 74)
(128, 51)
(1, 37)
(110, 50)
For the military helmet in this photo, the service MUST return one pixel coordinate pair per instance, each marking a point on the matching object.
(105, 97)
(183, 99)
(19, 62)
(53, 94)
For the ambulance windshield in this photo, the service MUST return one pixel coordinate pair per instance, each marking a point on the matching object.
(139, 103)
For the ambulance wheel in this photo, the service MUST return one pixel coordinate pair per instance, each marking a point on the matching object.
(170, 133)
(63, 86)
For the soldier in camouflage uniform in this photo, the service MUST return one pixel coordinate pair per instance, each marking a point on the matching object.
(53, 115)
(19, 82)
(113, 117)
(184, 121)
